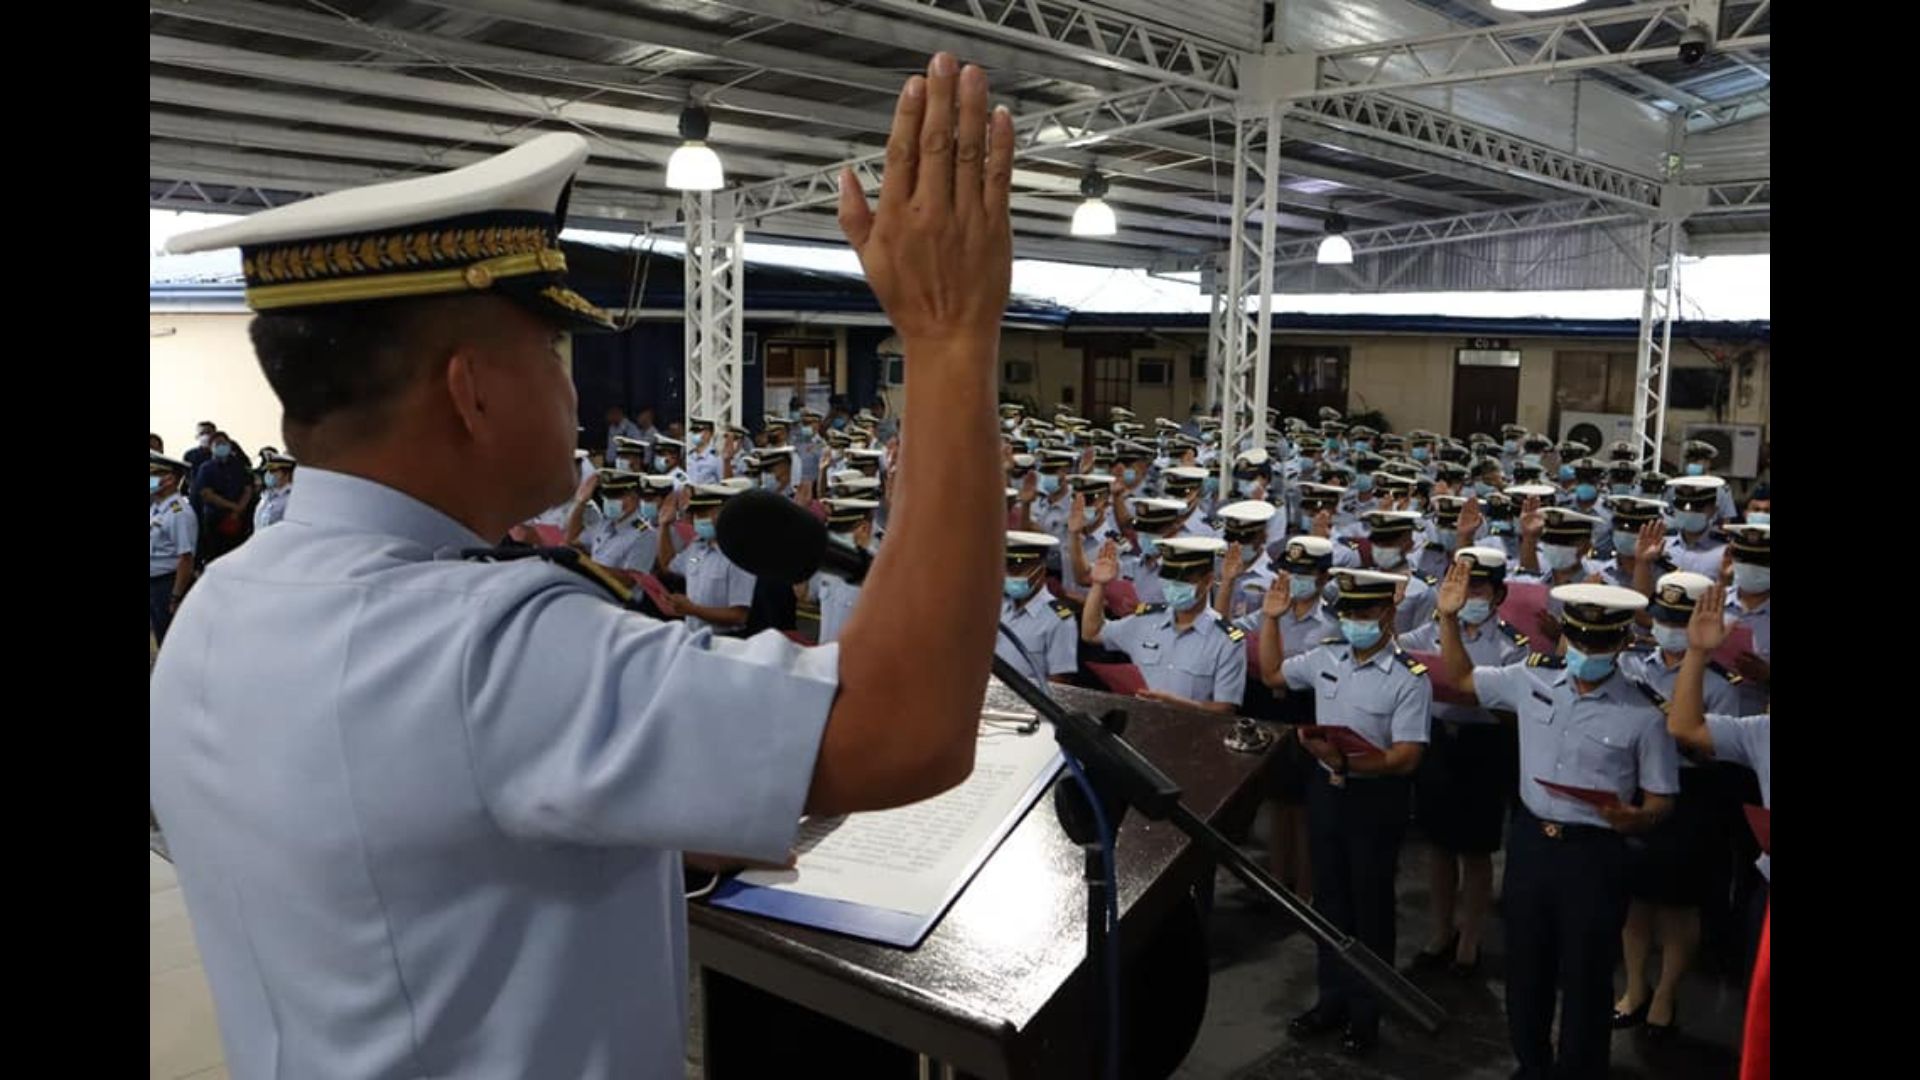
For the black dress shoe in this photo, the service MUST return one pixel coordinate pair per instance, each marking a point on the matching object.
(1434, 960)
(1359, 1042)
(1660, 1033)
(1466, 971)
(1315, 1021)
(1622, 1021)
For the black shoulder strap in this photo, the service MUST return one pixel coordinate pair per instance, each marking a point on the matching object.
(1234, 633)
(613, 583)
(1545, 661)
(1733, 677)
(1407, 661)
(1652, 695)
(1513, 632)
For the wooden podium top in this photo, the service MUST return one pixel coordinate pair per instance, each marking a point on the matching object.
(973, 994)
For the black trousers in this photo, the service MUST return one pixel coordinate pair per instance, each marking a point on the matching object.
(1354, 832)
(160, 605)
(1564, 902)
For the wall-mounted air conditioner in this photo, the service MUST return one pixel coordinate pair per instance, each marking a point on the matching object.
(1595, 429)
(1739, 446)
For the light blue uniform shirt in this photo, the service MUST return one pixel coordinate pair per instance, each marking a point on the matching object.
(836, 599)
(172, 531)
(1493, 643)
(1203, 662)
(703, 466)
(1381, 699)
(430, 825)
(1612, 738)
(1758, 619)
(712, 579)
(627, 544)
(272, 507)
(1722, 688)
(1747, 740)
(1049, 631)
(1702, 556)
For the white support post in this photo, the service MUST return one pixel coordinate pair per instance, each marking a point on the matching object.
(1659, 299)
(1213, 283)
(1245, 297)
(715, 299)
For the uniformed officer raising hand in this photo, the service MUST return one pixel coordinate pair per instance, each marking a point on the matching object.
(433, 824)
(1595, 763)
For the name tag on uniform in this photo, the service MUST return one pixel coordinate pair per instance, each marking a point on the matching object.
(1330, 676)
(1154, 645)
(1544, 699)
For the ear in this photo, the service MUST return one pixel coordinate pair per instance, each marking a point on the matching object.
(465, 390)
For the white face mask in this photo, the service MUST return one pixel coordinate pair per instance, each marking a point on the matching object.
(1558, 556)
(1388, 557)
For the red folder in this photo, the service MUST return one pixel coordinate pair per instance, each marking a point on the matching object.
(1525, 601)
(1760, 820)
(1344, 739)
(550, 535)
(1591, 796)
(1119, 678)
(651, 586)
(1739, 640)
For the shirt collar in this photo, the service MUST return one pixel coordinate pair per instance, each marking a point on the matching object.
(338, 500)
(1379, 659)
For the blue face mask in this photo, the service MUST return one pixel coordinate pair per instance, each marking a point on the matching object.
(1625, 542)
(271, 480)
(1566, 472)
(1694, 468)
(1387, 558)
(1530, 459)
(1511, 446)
(1481, 489)
(1363, 484)
(1149, 545)
(1361, 635)
(1362, 446)
(1586, 668)
(1447, 537)
(1181, 595)
(1476, 611)
(1500, 528)
(1585, 493)
(650, 512)
(769, 482)
(153, 485)
(1671, 639)
(839, 423)
(1557, 556)
(1301, 586)
(1017, 588)
(1130, 476)
(1690, 521)
(1421, 453)
(221, 450)
(1048, 484)
(1749, 578)
(1244, 488)
(1091, 514)
(1759, 517)
(1211, 486)
(703, 528)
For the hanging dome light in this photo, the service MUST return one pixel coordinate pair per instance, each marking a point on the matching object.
(694, 166)
(1094, 217)
(1335, 249)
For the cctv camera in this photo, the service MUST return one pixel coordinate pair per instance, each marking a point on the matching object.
(1693, 44)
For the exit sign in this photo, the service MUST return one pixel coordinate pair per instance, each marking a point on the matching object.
(1488, 343)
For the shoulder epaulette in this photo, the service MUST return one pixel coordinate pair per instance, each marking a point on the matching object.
(179, 504)
(1334, 640)
(1513, 632)
(1406, 660)
(1425, 578)
(567, 557)
(1545, 661)
(1732, 677)
(1064, 610)
(1143, 609)
(1234, 633)
(1650, 693)
(1350, 541)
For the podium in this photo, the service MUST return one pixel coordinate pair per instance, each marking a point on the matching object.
(997, 989)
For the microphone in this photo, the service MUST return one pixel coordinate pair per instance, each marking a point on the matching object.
(769, 535)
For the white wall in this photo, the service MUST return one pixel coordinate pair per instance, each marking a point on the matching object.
(201, 367)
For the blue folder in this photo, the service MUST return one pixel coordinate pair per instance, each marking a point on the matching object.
(886, 926)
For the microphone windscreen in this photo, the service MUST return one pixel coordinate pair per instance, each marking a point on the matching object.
(771, 536)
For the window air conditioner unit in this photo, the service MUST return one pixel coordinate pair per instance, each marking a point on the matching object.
(1739, 446)
(1595, 429)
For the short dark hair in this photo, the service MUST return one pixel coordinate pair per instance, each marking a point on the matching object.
(206, 424)
(342, 358)
(156, 442)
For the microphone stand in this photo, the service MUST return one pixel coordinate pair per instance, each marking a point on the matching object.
(1122, 778)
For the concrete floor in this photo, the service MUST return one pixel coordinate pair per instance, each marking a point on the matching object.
(1263, 976)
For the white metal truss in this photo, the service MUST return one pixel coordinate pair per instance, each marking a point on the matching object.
(1660, 298)
(1739, 197)
(1530, 47)
(1417, 126)
(1080, 124)
(716, 289)
(1246, 296)
(1101, 37)
(1219, 326)
(1555, 215)
(1718, 114)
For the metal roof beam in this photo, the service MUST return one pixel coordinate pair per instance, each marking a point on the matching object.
(1526, 47)
(1038, 35)
(618, 78)
(822, 228)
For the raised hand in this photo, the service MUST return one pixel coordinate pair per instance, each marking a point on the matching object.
(1453, 590)
(1707, 630)
(1029, 487)
(1279, 596)
(669, 509)
(1077, 515)
(587, 487)
(1533, 520)
(938, 250)
(1470, 521)
(1653, 540)
(1231, 564)
(1107, 566)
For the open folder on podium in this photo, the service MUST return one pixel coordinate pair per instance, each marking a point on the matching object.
(889, 875)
